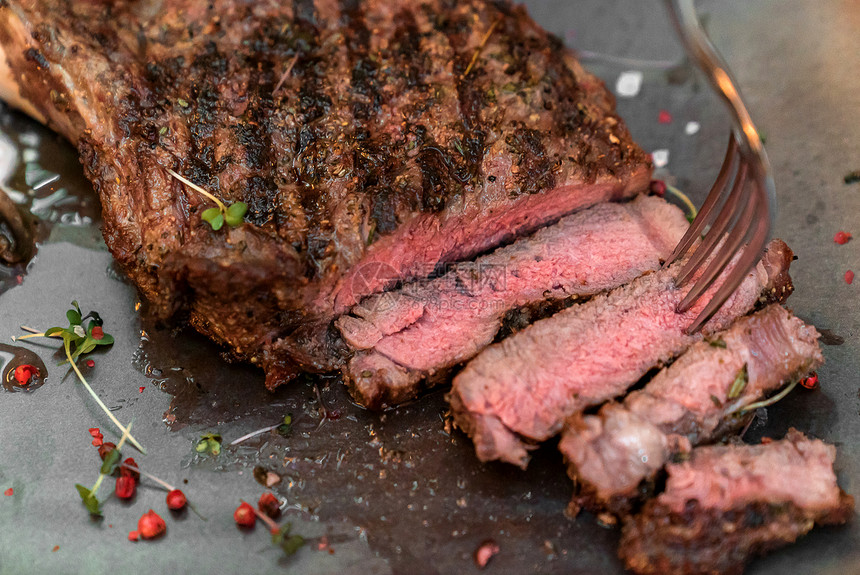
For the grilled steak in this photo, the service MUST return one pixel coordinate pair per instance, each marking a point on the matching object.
(693, 401)
(372, 141)
(521, 390)
(729, 503)
(417, 333)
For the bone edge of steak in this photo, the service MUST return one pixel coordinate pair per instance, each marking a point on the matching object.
(486, 428)
(11, 93)
(698, 538)
(579, 441)
(659, 225)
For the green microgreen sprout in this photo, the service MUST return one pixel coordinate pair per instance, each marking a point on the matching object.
(216, 217)
(112, 459)
(691, 207)
(83, 334)
(209, 443)
(281, 536)
(769, 401)
(287, 426)
(289, 544)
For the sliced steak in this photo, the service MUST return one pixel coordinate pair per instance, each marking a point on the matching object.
(372, 141)
(729, 503)
(520, 391)
(697, 399)
(416, 334)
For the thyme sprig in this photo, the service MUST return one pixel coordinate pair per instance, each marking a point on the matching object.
(216, 217)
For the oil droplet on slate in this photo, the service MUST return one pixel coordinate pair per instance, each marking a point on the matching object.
(11, 356)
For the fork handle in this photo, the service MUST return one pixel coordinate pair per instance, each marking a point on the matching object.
(699, 47)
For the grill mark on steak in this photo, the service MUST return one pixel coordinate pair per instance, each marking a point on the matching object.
(612, 455)
(111, 78)
(533, 165)
(730, 503)
(520, 391)
(314, 105)
(407, 48)
(364, 70)
(411, 338)
(471, 99)
(313, 102)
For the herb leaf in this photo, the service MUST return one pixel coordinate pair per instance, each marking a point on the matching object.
(209, 214)
(288, 543)
(110, 462)
(292, 544)
(235, 213)
(209, 443)
(74, 317)
(217, 222)
(740, 382)
(92, 504)
(88, 346)
(285, 428)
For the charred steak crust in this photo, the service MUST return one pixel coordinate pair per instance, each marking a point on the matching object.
(407, 339)
(613, 456)
(520, 391)
(727, 507)
(358, 133)
(698, 541)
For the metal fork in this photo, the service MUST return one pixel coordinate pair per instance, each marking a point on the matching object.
(740, 208)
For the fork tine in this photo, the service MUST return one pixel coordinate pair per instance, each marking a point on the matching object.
(751, 255)
(756, 223)
(728, 214)
(734, 239)
(707, 213)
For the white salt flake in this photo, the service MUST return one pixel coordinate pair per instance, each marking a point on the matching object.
(691, 128)
(660, 157)
(629, 84)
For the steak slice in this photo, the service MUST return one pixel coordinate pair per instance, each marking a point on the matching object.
(416, 334)
(372, 141)
(695, 400)
(729, 503)
(520, 391)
